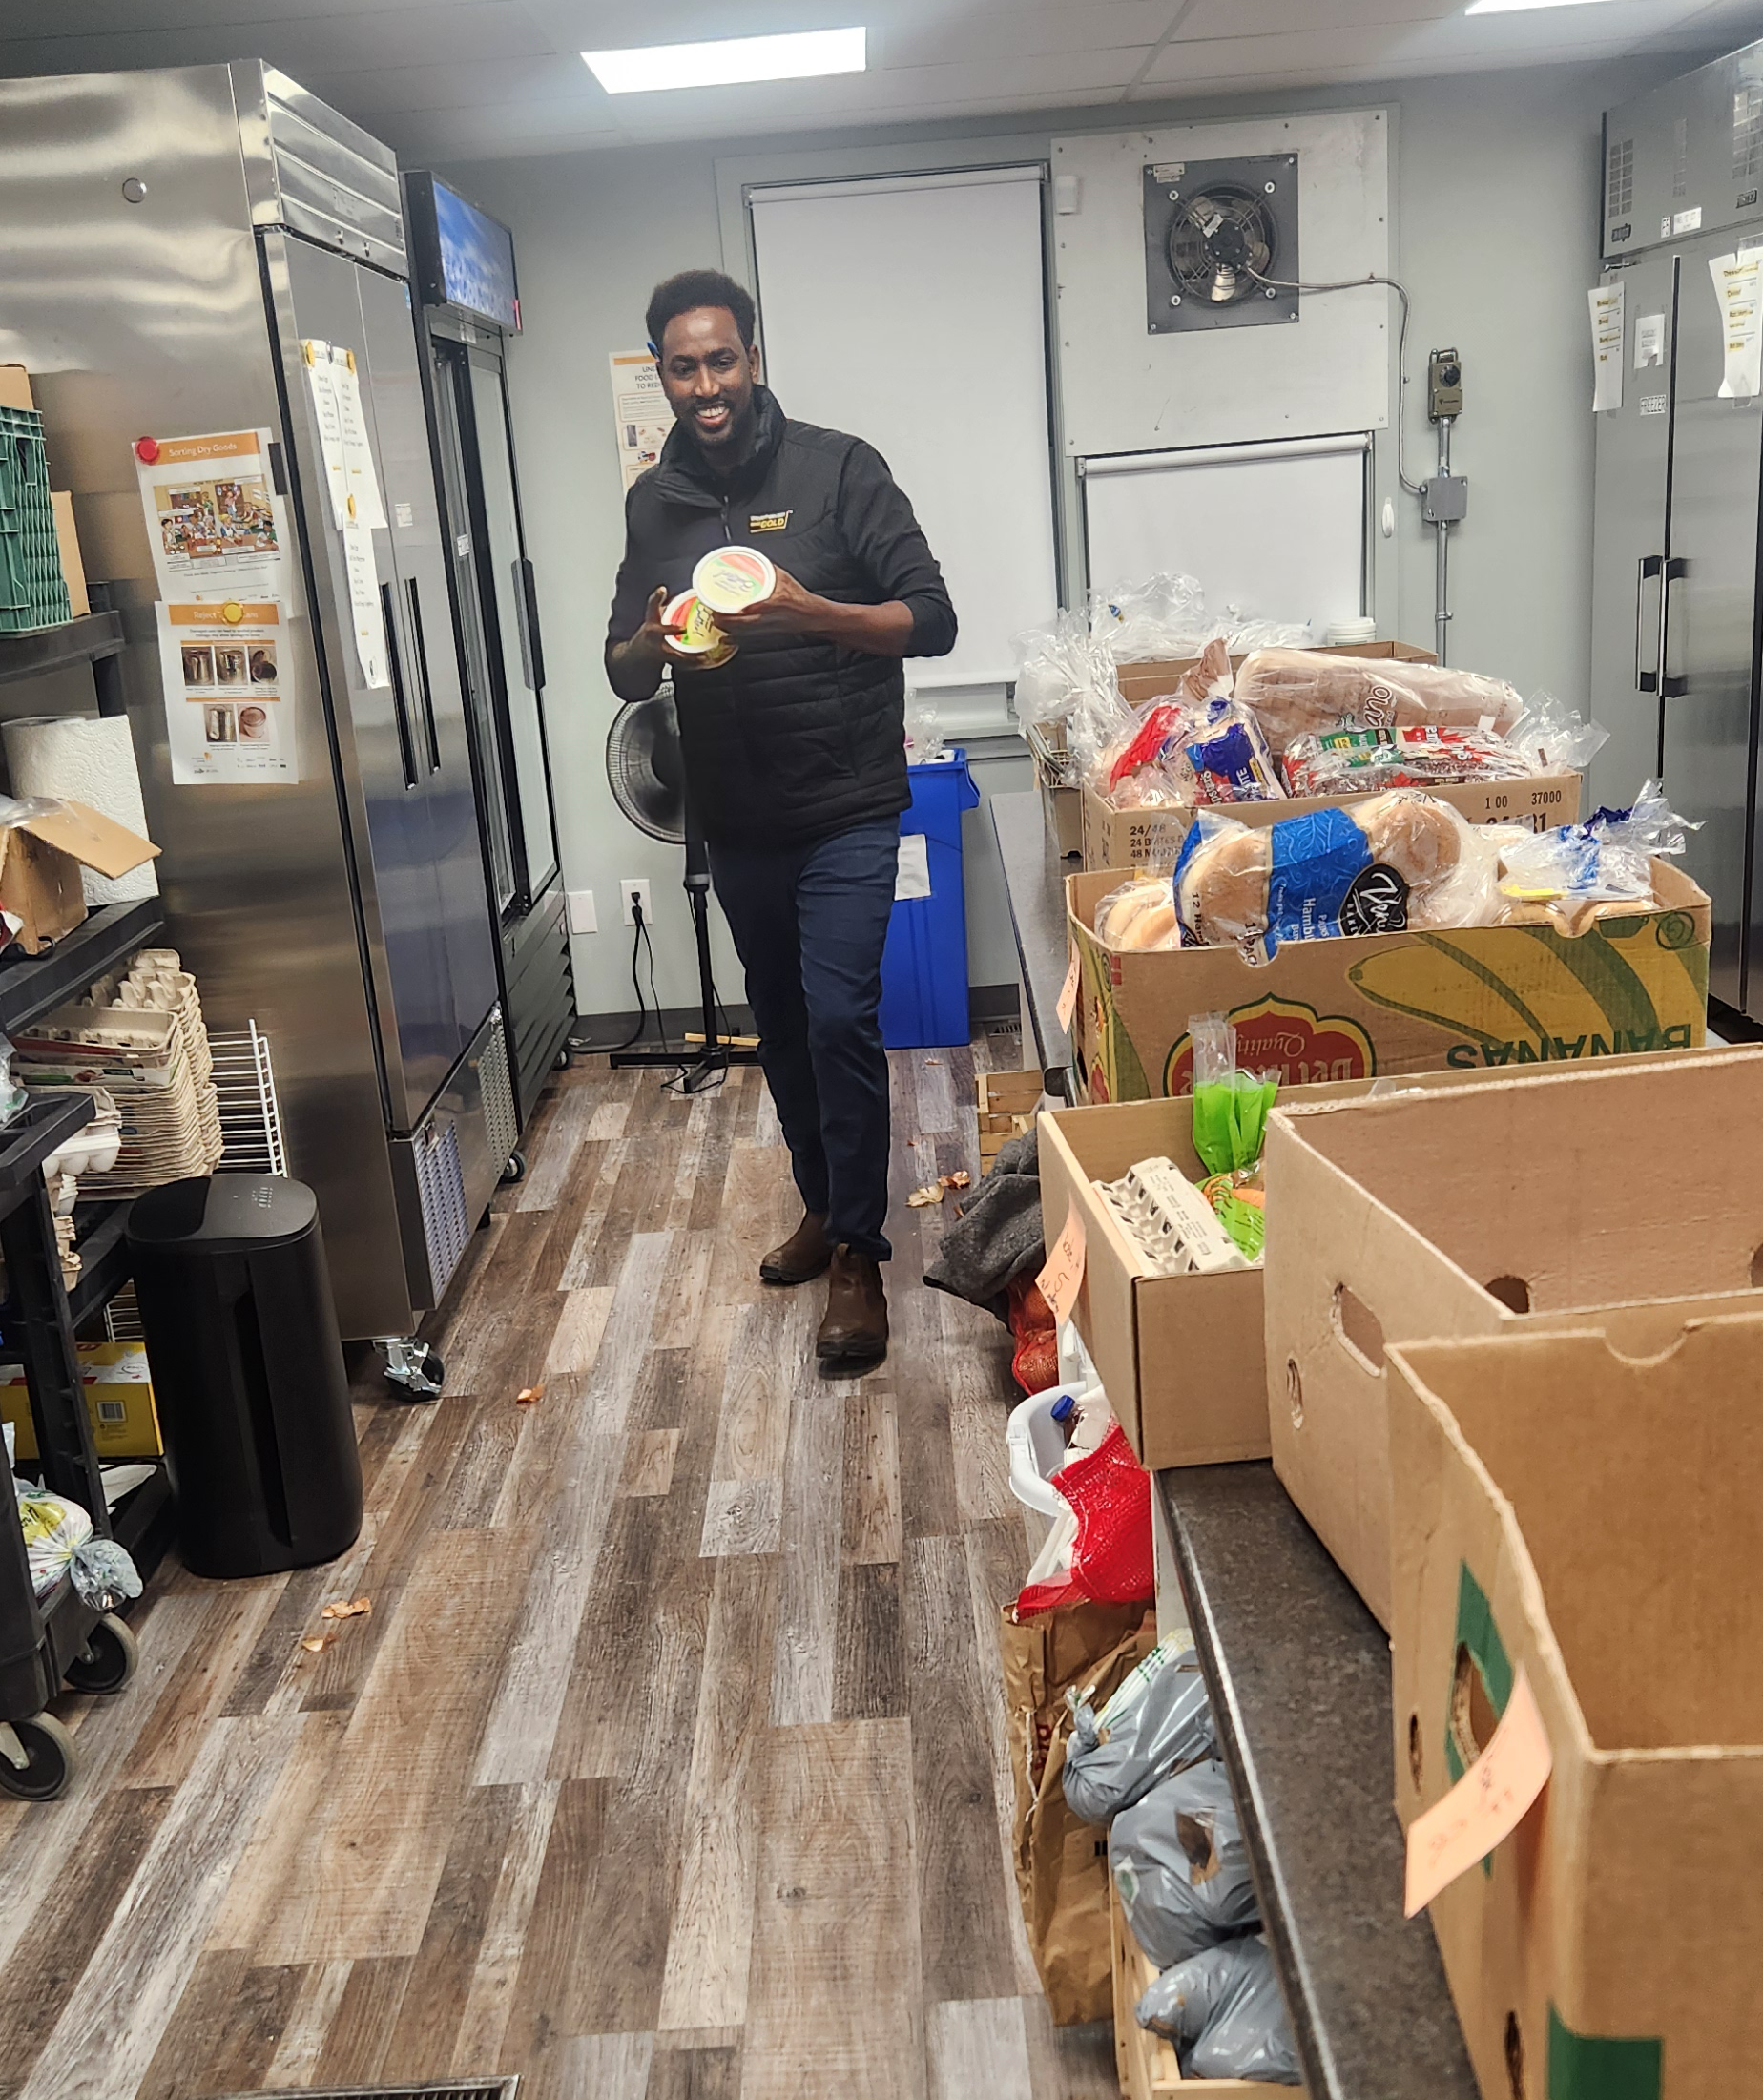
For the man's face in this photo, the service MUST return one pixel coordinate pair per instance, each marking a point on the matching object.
(709, 375)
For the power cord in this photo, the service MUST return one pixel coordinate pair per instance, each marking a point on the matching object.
(1353, 284)
(640, 938)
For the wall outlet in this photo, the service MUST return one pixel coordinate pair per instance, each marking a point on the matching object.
(583, 918)
(634, 889)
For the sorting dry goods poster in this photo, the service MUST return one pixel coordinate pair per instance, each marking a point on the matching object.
(227, 672)
(218, 528)
(640, 412)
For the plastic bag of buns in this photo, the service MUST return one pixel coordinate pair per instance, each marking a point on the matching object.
(1397, 860)
(1298, 692)
(1577, 874)
(1140, 914)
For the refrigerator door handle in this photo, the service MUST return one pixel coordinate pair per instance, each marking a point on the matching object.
(1671, 685)
(421, 645)
(401, 713)
(531, 650)
(1646, 681)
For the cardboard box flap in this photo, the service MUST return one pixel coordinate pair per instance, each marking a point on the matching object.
(97, 842)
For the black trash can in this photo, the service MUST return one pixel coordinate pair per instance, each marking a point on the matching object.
(247, 1372)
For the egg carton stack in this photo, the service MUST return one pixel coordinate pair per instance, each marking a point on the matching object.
(157, 983)
(91, 1150)
(144, 1046)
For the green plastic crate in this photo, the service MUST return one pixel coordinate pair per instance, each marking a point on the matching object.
(34, 592)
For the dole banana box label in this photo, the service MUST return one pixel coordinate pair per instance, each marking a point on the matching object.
(1479, 999)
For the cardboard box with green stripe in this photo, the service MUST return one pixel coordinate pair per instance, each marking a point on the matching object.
(1589, 1516)
(1362, 1006)
(1628, 1194)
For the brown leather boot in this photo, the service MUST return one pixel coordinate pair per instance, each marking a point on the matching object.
(854, 1329)
(802, 1257)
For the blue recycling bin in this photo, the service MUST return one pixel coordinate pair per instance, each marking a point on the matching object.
(924, 964)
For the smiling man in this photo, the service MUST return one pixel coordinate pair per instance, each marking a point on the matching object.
(795, 750)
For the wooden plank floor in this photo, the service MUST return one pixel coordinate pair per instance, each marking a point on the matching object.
(669, 1765)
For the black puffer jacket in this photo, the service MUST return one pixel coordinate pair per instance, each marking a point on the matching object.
(796, 738)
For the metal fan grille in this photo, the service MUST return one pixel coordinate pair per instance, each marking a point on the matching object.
(1218, 242)
(643, 766)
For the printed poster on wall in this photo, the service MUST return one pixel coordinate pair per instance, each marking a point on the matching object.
(227, 672)
(640, 413)
(218, 528)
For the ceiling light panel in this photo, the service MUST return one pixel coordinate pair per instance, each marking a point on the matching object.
(803, 56)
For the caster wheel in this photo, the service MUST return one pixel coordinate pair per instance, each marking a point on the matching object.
(516, 1168)
(37, 1758)
(564, 1058)
(412, 1369)
(108, 1660)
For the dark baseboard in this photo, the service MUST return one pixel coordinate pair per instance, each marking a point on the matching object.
(985, 1003)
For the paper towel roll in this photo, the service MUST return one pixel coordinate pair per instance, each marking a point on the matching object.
(85, 759)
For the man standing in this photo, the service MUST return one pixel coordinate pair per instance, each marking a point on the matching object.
(794, 751)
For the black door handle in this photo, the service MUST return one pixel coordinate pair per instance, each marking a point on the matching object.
(1674, 686)
(401, 713)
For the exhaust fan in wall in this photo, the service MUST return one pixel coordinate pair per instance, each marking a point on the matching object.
(1214, 230)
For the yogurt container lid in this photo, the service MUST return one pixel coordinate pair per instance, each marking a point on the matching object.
(729, 579)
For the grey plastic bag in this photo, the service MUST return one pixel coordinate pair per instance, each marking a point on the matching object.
(1181, 1868)
(1158, 1722)
(1224, 2012)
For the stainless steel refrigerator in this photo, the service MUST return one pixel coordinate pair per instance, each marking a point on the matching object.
(168, 240)
(469, 313)
(1675, 605)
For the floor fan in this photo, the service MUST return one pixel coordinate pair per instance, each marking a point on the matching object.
(646, 775)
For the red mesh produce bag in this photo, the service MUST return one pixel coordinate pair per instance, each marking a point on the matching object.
(1109, 1494)
(1035, 1366)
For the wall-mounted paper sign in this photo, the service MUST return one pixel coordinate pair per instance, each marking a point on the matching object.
(362, 503)
(227, 672)
(327, 413)
(218, 528)
(365, 605)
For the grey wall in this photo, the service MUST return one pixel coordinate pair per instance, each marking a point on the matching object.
(1497, 224)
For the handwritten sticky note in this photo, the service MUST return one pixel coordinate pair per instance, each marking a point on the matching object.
(1063, 1276)
(1067, 994)
(1485, 1805)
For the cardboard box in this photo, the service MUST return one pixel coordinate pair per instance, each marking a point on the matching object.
(1592, 1519)
(67, 545)
(1152, 838)
(1182, 1358)
(1005, 1102)
(1150, 680)
(1062, 800)
(1631, 1196)
(40, 862)
(15, 387)
(1391, 1003)
(119, 1402)
(1146, 2063)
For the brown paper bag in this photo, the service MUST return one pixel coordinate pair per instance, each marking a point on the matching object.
(1062, 1863)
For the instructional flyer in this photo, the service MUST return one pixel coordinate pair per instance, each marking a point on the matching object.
(227, 672)
(218, 527)
(327, 414)
(362, 503)
(640, 412)
(1736, 287)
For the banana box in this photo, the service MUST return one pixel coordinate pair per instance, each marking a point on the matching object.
(118, 1389)
(1626, 1197)
(1368, 1006)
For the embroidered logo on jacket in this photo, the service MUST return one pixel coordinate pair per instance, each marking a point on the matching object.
(773, 521)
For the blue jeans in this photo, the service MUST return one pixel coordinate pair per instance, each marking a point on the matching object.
(809, 923)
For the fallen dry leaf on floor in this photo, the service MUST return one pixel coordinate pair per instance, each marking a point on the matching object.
(358, 1610)
(930, 1061)
(930, 1192)
(318, 1644)
(527, 1394)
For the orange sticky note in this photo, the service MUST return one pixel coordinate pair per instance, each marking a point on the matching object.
(1063, 1276)
(1485, 1805)
(1067, 994)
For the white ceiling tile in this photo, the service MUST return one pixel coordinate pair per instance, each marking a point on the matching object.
(534, 84)
(1287, 17)
(940, 35)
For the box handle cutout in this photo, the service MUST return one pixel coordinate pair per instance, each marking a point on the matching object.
(1358, 1330)
(1473, 1718)
(1512, 1292)
(1414, 1751)
(1295, 1392)
(1514, 2056)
